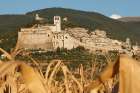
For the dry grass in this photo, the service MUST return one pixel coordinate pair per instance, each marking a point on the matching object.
(18, 77)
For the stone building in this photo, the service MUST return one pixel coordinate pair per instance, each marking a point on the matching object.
(50, 36)
(47, 37)
(96, 40)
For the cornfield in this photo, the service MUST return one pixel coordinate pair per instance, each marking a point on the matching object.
(18, 77)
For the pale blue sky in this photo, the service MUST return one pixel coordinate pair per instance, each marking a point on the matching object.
(107, 7)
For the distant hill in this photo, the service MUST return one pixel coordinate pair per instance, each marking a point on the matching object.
(130, 19)
(10, 24)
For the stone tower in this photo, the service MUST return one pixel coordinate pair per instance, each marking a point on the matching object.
(38, 18)
(57, 23)
(128, 43)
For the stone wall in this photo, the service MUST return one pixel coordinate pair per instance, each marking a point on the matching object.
(35, 40)
(64, 40)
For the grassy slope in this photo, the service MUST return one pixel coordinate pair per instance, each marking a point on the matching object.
(9, 24)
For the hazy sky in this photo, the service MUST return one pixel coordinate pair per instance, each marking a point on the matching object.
(107, 7)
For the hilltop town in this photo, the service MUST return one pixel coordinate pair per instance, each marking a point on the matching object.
(79, 70)
(49, 37)
(91, 48)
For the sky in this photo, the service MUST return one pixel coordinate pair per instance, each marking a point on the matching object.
(106, 7)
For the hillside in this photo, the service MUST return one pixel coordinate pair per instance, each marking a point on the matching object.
(10, 24)
(129, 19)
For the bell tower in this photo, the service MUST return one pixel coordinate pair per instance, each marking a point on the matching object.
(57, 23)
